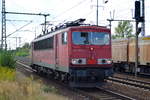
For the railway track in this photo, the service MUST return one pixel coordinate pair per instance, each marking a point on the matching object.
(142, 76)
(88, 94)
(26, 67)
(100, 93)
(131, 82)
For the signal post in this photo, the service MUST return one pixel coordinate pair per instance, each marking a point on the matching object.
(138, 19)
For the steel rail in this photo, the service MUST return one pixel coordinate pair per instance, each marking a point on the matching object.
(134, 80)
(121, 96)
(130, 83)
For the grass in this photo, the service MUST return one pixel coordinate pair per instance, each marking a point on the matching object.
(22, 52)
(26, 90)
(7, 74)
(14, 88)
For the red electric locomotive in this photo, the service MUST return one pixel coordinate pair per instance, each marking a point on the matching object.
(76, 53)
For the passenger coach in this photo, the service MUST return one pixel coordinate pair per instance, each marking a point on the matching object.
(78, 54)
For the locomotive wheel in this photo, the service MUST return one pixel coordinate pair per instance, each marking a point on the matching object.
(57, 76)
(64, 78)
(37, 70)
(50, 74)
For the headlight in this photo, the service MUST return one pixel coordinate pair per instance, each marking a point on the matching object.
(109, 61)
(78, 61)
(104, 61)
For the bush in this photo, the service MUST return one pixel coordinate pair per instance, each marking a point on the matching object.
(7, 59)
(22, 52)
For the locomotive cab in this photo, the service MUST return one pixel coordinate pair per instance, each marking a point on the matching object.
(90, 56)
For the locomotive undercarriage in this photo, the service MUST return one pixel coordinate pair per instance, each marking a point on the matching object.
(77, 77)
(50, 73)
(89, 77)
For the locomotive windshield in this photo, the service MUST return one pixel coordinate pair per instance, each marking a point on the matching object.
(91, 38)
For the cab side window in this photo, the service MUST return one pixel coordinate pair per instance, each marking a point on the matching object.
(64, 38)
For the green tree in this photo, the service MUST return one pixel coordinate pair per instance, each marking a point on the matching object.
(26, 45)
(24, 50)
(123, 30)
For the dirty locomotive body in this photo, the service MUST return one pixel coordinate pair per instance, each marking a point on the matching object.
(80, 55)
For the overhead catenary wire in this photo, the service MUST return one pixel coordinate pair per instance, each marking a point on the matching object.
(18, 20)
(18, 29)
(13, 24)
(79, 3)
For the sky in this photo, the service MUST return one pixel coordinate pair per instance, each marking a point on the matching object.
(62, 11)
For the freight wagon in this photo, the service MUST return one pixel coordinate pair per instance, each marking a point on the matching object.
(123, 55)
(76, 53)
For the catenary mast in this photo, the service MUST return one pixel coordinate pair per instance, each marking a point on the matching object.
(3, 32)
